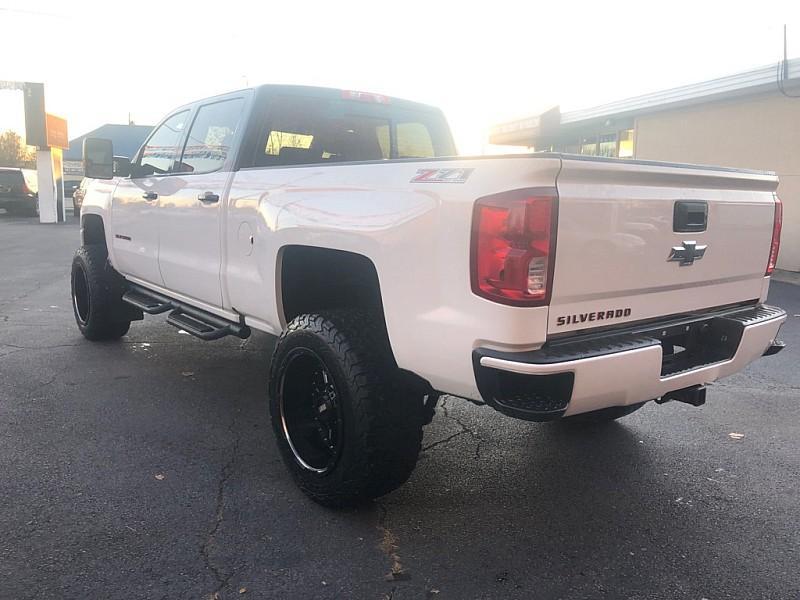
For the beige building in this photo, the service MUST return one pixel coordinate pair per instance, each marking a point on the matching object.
(749, 120)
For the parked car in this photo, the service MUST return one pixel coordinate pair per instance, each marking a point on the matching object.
(70, 187)
(19, 192)
(78, 195)
(546, 286)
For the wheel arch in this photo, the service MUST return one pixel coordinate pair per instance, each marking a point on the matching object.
(313, 278)
(93, 230)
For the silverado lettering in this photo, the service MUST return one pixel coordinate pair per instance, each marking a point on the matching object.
(603, 315)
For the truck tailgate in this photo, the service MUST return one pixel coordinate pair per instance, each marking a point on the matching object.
(617, 227)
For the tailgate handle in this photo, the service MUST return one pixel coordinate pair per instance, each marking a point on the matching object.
(690, 216)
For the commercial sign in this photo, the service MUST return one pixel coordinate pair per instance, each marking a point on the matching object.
(57, 132)
(35, 127)
(73, 167)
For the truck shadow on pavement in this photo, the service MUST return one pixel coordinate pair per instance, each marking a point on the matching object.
(170, 450)
(507, 505)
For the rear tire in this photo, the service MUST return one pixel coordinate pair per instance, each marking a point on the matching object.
(22, 211)
(346, 429)
(97, 295)
(25, 210)
(32, 211)
(604, 415)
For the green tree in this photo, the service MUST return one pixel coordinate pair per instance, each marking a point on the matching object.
(13, 153)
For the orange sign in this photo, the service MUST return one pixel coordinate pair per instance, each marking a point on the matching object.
(57, 132)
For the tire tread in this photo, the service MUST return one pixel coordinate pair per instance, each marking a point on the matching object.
(387, 421)
(106, 319)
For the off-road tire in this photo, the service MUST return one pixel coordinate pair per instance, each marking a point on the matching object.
(381, 420)
(101, 314)
(604, 415)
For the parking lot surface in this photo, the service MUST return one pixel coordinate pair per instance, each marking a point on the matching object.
(147, 468)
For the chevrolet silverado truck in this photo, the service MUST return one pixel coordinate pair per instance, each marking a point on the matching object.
(549, 287)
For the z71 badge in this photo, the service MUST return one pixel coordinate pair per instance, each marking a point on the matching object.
(441, 175)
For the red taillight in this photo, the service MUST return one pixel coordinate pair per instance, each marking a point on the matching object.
(513, 246)
(775, 246)
(365, 97)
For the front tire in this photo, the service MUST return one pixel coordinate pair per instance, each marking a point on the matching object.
(97, 295)
(346, 429)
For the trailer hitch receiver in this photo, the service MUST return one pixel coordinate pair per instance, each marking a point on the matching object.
(694, 395)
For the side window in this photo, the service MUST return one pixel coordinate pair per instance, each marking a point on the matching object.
(306, 130)
(211, 137)
(414, 141)
(163, 146)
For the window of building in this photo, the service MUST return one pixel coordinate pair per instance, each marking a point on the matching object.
(572, 148)
(210, 137)
(607, 145)
(626, 143)
(163, 146)
(589, 146)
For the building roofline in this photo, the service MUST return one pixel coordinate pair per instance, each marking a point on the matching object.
(738, 84)
(746, 83)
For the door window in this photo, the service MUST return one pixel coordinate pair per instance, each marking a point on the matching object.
(163, 147)
(211, 137)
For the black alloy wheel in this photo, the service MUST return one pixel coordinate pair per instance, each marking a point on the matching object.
(312, 421)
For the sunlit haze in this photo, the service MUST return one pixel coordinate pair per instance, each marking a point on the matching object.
(481, 63)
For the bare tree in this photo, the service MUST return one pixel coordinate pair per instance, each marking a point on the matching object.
(13, 153)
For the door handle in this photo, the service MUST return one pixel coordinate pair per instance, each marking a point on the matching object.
(150, 196)
(208, 197)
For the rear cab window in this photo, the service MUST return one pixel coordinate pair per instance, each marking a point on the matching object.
(304, 129)
(11, 179)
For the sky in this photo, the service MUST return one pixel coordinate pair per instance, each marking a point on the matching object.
(481, 62)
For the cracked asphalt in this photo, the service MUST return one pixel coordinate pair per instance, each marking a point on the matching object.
(147, 469)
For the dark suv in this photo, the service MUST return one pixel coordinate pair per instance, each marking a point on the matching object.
(19, 192)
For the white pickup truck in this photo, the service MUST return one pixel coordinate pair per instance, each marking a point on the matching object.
(547, 286)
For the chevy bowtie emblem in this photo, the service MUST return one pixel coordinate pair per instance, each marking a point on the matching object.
(687, 253)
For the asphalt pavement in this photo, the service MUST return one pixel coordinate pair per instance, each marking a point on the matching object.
(147, 468)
